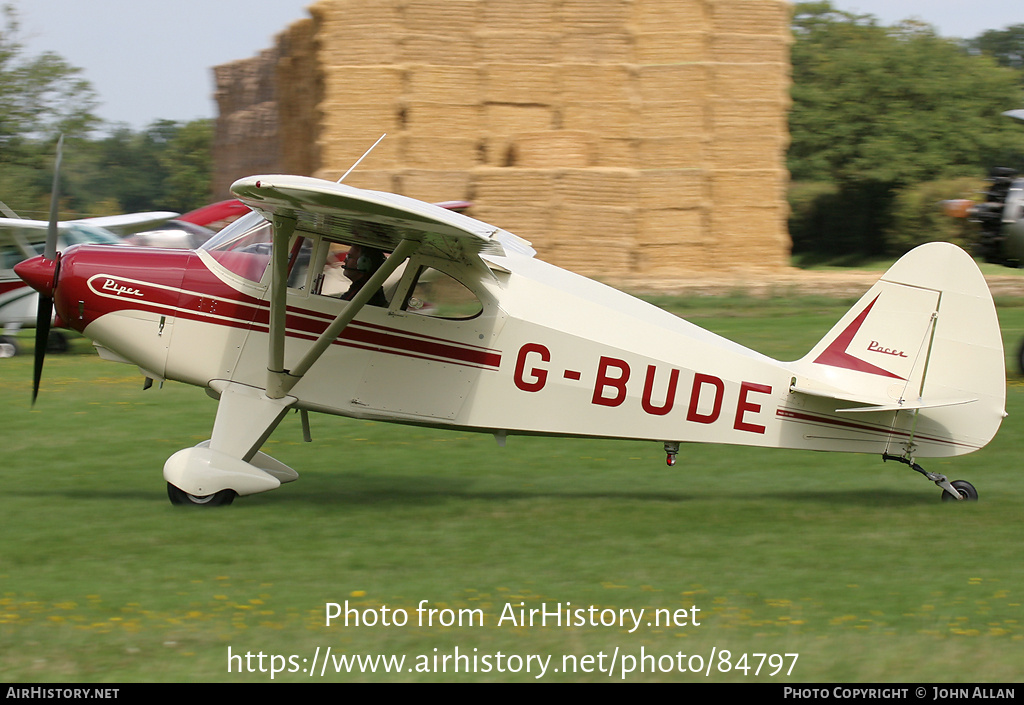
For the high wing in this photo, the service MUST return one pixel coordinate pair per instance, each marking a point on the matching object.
(373, 218)
(33, 231)
(127, 223)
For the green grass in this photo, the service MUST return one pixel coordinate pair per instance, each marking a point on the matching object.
(852, 563)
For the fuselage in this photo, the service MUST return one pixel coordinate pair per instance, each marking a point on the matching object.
(543, 351)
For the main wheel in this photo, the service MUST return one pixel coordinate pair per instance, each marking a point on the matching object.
(219, 499)
(8, 347)
(966, 490)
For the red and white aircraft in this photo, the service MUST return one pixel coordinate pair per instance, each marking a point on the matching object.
(509, 344)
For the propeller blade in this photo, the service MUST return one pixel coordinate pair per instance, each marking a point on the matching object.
(44, 311)
(50, 249)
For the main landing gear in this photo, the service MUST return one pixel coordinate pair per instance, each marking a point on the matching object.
(218, 499)
(956, 491)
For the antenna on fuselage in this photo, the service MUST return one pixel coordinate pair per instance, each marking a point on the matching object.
(362, 157)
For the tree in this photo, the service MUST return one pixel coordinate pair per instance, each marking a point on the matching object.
(166, 166)
(1006, 46)
(876, 109)
(41, 96)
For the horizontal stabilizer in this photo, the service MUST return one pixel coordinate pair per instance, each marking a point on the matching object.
(907, 406)
(869, 405)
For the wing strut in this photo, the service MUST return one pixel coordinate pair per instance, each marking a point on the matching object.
(283, 226)
(281, 383)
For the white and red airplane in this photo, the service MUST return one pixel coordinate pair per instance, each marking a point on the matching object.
(509, 344)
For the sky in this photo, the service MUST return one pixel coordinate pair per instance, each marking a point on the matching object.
(150, 60)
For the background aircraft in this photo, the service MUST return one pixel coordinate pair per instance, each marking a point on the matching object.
(21, 239)
(1000, 218)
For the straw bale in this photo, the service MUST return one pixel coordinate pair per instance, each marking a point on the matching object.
(433, 185)
(594, 82)
(356, 13)
(750, 81)
(338, 153)
(513, 186)
(597, 186)
(428, 151)
(595, 16)
(553, 148)
(680, 118)
(681, 81)
(446, 17)
(751, 234)
(616, 152)
(750, 16)
(527, 15)
(671, 47)
(582, 226)
(750, 48)
(437, 49)
(591, 259)
(498, 150)
(739, 118)
(374, 180)
(529, 221)
(442, 119)
(444, 84)
(503, 119)
(607, 119)
(522, 47)
(672, 226)
(670, 15)
(363, 84)
(376, 44)
(673, 188)
(243, 83)
(520, 83)
(360, 120)
(672, 152)
(676, 262)
(609, 47)
(752, 152)
(731, 187)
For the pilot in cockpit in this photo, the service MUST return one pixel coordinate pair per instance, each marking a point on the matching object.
(360, 264)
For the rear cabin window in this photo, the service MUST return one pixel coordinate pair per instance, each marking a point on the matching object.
(439, 295)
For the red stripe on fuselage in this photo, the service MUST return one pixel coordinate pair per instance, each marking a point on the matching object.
(178, 284)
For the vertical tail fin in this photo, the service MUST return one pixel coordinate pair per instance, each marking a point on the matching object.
(922, 348)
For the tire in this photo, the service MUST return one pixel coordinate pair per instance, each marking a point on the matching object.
(179, 498)
(8, 347)
(966, 490)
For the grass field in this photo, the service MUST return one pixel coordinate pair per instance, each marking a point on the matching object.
(852, 564)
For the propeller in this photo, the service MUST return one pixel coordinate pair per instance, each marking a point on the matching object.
(44, 312)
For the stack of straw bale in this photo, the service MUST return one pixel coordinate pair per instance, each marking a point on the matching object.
(628, 139)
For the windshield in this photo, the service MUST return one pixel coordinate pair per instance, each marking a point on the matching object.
(244, 247)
